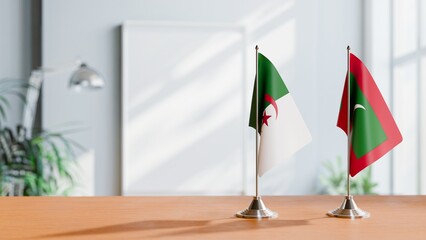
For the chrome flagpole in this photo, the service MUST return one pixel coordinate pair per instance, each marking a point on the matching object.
(257, 208)
(348, 208)
(257, 121)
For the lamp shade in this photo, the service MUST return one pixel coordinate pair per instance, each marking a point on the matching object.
(86, 77)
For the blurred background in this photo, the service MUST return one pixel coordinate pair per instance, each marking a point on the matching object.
(172, 115)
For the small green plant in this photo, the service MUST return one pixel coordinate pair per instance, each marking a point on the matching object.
(333, 181)
(33, 166)
(41, 165)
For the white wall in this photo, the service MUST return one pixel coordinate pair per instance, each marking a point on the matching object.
(306, 39)
(15, 48)
(340, 24)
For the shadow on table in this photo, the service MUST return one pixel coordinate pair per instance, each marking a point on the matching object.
(196, 227)
(130, 227)
(238, 225)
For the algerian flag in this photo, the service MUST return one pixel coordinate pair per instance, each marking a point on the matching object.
(373, 129)
(282, 129)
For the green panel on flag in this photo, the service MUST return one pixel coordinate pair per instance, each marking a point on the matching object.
(271, 83)
(367, 132)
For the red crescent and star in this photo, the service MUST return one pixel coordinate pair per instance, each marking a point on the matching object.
(270, 100)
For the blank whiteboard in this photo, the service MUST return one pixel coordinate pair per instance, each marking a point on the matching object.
(182, 109)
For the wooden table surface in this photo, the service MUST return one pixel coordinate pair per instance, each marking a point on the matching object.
(392, 217)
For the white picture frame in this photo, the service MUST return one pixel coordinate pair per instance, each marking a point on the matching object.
(184, 109)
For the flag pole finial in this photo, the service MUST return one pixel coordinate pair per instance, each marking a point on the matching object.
(348, 48)
(257, 48)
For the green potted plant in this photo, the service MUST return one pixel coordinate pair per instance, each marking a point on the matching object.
(333, 180)
(32, 166)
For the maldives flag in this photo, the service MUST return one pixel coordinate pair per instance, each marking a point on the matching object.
(373, 131)
(281, 127)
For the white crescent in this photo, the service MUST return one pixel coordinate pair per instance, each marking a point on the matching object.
(359, 106)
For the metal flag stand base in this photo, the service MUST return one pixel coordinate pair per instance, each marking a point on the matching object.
(257, 209)
(348, 209)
